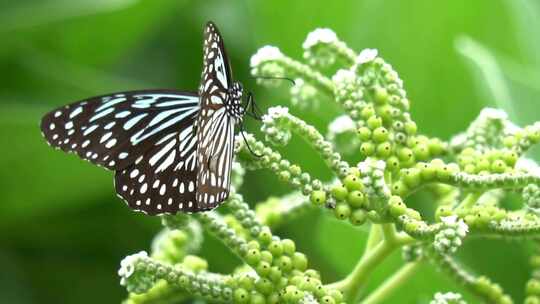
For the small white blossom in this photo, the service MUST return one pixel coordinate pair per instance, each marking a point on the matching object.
(528, 165)
(320, 35)
(344, 76)
(453, 221)
(492, 113)
(364, 167)
(308, 299)
(277, 111)
(127, 266)
(458, 140)
(366, 55)
(447, 298)
(266, 53)
(451, 236)
(341, 124)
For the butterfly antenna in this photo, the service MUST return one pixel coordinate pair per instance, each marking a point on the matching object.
(247, 144)
(274, 77)
(252, 107)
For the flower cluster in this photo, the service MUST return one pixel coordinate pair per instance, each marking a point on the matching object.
(451, 235)
(468, 179)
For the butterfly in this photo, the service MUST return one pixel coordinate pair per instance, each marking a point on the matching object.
(171, 150)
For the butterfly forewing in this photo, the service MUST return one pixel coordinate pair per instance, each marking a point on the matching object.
(216, 126)
(114, 130)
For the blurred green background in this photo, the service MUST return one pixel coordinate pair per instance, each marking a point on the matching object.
(62, 229)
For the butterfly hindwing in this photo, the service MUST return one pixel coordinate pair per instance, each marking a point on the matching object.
(164, 178)
(216, 126)
(114, 130)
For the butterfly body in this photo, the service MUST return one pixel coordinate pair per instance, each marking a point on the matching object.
(171, 150)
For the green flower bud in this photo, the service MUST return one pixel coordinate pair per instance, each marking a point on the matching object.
(358, 217)
(421, 152)
(411, 128)
(285, 263)
(384, 150)
(253, 256)
(263, 268)
(241, 296)
(374, 122)
(299, 261)
(318, 198)
(328, 300)
(276, 248)
(352, 183)
(367, 148)
(412, 177)
(380, 135)
(342, 211)
(396, 206)
(356, 199)
(288, 246)
(380, 95)
(265, 236)
(339, 192)
(364, 134)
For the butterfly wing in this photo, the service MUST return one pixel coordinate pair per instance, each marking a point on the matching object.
(215, 125)
(114, 130)
(146, 136)
(164, 178)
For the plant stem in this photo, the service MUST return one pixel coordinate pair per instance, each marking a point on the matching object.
(469, 200)
(352, 285)
(374, 237)
(385, 290)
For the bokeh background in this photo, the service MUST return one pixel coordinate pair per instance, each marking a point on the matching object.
(62, 229)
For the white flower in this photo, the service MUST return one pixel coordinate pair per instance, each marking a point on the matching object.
(341, 124)
(446, 298)
(458, 140)
(266, 53)
(320, 35)
(344, 76)
(366, 55)
(453, 221)
(492, 113)
(528, 165)
(364, 166)
(380, 165)
(278, 111)
(127, 266)
(308, 299)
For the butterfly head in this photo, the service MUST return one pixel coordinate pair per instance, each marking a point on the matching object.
(234, 106)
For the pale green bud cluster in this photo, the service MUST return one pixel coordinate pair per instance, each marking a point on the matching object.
(372, 177)
(411, 253)
(531, 196)
(450, 236)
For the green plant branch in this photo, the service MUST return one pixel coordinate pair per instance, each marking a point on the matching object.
(352, 285)
(392, 283)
